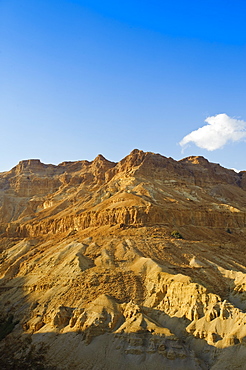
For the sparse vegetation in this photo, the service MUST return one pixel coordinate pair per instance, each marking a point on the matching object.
(175, 234)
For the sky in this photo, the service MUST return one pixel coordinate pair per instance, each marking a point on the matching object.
(79, 78)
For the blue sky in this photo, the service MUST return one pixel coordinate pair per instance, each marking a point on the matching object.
(79, 78)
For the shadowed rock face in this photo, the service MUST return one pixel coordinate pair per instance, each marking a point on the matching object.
(139, 263)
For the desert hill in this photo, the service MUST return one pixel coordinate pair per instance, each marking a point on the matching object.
(135, 264)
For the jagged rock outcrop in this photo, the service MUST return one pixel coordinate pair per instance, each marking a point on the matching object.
(135, 264)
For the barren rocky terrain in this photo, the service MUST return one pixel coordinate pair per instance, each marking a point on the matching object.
(139, 264)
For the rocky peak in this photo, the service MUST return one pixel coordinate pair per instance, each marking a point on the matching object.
(100, 158)
(200, 160)
(131, 161)
(29, 165)
(101, 162)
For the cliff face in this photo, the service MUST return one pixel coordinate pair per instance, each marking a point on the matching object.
(139, 263)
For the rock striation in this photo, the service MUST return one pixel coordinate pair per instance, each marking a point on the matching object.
(135, 264)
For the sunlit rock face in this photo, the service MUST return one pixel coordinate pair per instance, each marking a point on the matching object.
(135, 264)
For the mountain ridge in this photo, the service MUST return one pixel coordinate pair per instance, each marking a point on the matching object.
(142, 259)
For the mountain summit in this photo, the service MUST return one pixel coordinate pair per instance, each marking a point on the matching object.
(137, 264)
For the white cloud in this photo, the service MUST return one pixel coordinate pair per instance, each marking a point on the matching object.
(220, 129)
